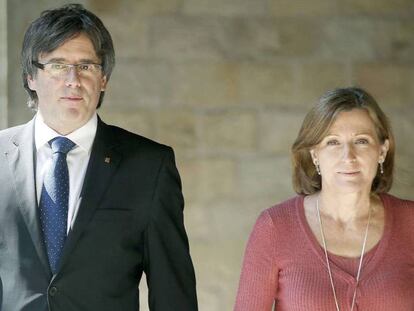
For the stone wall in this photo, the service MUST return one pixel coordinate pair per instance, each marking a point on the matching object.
(227, 84)
(3, 64)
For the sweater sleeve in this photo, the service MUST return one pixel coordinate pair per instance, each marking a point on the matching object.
(259, 276)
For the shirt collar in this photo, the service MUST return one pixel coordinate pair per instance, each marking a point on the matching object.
(83, 137)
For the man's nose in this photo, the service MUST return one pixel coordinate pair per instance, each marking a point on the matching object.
(72, 77)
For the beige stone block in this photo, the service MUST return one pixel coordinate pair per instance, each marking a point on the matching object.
(250, 39)
(128, 22)
(303, 8)
(139, 84)
(278, 131)
(357, 39)
(217, 267)
(299, 37)
(153, 7)
(231, 131)
(266, 84)
(375, 7)
(132, 9)
(3, 64)
(181, 37)
(225, 7)
(402, 41)
(234, 219)
(390, 84)
(177, 128)
(197, 216)
(131, 43)
(138, 121)
(223, 218)
(19, 14)
(403, 179)
(208, 178)
(214, 38)
(265, 177)
(269, 39)
(17, 110)
(317, 78)
(402, 123)
(205, 85)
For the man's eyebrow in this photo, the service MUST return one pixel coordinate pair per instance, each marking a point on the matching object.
(89, 60)
(56, 60)
(80, 61)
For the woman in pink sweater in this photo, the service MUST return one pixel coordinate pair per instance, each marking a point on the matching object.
(343, 243)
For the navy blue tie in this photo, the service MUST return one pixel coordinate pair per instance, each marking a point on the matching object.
(54, 201)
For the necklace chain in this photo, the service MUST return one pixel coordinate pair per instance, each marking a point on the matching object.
(327, 258)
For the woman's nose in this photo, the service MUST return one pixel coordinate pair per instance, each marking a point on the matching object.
(349, 153)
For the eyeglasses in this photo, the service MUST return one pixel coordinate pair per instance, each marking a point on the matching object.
(61, 70)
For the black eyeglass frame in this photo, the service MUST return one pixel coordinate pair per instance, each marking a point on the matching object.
(42, 66)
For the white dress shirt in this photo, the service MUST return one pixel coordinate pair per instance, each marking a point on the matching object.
(77, 159)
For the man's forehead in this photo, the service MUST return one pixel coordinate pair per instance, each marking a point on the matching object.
(79, 47)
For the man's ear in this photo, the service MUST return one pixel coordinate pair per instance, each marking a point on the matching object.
(31, 83)
(104, 82)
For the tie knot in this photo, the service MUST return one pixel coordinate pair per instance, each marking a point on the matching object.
(61, 144)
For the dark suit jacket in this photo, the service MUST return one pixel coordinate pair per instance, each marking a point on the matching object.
(130, 220)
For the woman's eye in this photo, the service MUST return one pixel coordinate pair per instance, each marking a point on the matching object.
(362, 141)
(332, 142)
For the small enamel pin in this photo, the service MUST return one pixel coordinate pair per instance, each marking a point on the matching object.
(107, 160)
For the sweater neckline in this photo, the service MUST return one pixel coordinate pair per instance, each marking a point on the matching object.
(375, 254)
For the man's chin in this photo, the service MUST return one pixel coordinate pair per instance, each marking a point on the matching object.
(68, 122)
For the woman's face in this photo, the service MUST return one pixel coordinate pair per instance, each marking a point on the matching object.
(348, 156)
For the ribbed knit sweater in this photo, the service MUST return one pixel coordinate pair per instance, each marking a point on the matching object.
(284, 264)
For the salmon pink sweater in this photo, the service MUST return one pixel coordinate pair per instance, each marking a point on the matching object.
(285, 266)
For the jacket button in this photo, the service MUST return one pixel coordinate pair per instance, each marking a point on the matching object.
(53, 291)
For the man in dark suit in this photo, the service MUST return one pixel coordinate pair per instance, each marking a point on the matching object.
(85, 207)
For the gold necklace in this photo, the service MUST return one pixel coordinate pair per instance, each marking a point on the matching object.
(327, 258)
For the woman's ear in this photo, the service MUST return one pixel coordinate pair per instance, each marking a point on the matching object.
(384, 150)
(313, 156)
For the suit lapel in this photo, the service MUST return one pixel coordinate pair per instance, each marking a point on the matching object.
(21, 158)
(103, 163)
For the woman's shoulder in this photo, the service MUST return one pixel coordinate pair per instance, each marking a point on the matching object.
(283, 211)
(402, 213)
(279, 223)
(395, 202)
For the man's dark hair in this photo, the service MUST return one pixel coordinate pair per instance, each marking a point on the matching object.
(52, 29)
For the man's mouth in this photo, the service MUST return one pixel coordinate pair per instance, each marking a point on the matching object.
(76, 98)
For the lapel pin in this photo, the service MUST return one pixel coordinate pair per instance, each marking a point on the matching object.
(107, 160)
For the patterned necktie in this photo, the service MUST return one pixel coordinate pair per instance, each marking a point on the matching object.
(54, 201)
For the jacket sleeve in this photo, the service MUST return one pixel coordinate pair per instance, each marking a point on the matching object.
(167, 262)
(259, 277)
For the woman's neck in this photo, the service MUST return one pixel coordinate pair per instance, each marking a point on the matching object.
(346, 207)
